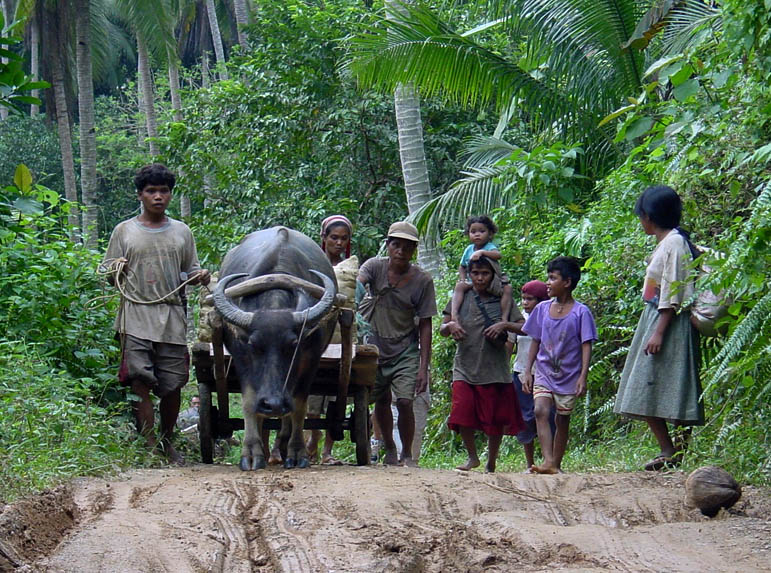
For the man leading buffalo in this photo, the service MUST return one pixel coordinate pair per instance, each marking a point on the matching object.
(150, 257)
(399, 305)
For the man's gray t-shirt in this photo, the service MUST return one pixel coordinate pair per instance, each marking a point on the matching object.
(395, 311)
(156, 257)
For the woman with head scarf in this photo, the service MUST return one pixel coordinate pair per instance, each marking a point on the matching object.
(336, 232)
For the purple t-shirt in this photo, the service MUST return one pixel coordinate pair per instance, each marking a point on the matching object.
(558, 362)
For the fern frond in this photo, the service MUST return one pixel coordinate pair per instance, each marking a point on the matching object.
(744, 335)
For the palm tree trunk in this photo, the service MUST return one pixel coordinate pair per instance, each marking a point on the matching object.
(414, 166)
(65, 140)
(34, 48)
(219, 51)
(6, 20)
(413, 158)
(141, 123)
(148, 99)
(207, 180)
(176, 106)
(242, 18)
(86, 111)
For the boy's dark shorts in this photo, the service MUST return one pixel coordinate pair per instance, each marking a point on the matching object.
(161, 366)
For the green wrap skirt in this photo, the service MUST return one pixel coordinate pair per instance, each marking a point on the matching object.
(664, 385)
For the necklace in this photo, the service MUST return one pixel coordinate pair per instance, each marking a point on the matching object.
(560, 308)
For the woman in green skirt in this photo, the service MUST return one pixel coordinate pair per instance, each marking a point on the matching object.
(660, 382)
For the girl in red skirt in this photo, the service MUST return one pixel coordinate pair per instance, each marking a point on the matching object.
(482, 395)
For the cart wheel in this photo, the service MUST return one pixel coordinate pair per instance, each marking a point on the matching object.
(205, 417)
(360, 426)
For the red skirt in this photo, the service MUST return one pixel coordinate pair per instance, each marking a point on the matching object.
(491, 408)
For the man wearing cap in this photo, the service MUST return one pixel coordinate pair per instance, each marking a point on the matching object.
(399, 306)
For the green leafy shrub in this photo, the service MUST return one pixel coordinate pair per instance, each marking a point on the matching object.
(51, 428)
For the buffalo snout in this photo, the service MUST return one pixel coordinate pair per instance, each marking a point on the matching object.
(274, 405)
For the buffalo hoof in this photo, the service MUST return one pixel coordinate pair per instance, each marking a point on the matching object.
(303, 463)
(257, 463)
(289, 463)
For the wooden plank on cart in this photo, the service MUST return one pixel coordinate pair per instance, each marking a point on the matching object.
(344, 378)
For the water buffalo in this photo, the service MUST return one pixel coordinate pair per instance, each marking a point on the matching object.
(267, 322)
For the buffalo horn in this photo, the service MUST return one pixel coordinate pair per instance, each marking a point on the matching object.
(226, 308)
(284, 281)
(320, 308)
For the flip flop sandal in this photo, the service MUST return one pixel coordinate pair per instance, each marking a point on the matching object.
(661, 462)
(330, 461)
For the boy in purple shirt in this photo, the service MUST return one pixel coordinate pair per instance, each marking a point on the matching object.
(562, 330)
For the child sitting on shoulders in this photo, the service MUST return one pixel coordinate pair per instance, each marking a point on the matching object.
(562, 330)
(480, 230)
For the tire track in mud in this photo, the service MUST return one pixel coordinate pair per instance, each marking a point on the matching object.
(226, 505)
(351, 519)
(276, 532)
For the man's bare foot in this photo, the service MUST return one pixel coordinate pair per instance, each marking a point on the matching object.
(171, 454)
(469, 465)
(409, 463)
(313, 452)
(547, 470)
(330, 460)
(390, 458)
(151, 442)
(275, 457)
(490, 467)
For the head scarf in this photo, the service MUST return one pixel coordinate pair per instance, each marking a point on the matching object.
(336, 219)
(536, 289)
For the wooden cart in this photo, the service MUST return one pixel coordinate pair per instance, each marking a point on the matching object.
(345, 369)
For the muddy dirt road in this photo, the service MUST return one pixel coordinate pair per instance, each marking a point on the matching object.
(216, 518)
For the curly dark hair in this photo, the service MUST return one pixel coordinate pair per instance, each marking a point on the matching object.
(154, 174)
(485, 220)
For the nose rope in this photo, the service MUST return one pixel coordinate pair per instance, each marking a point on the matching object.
(299, 340)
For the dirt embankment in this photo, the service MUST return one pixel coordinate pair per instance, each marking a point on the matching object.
(216, 518)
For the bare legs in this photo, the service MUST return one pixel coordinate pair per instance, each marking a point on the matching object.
(552, 446)
(467, 434)
(145, 418)
(493, 445)
(406, 426)
(660, 431)
(529, 454)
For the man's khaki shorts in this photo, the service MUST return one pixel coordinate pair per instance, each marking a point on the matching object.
(399, 375)
(563, 402)
(161, 366)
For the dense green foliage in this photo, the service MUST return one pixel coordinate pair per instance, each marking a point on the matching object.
(711, 144)
(15, 84)
(62, 411)
(288, 130)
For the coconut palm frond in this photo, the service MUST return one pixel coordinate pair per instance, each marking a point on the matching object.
(415, 46)
(581, 44)
(109, 43)
(483, 151)
(690, 24)
(480, 191)
(153, 20)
